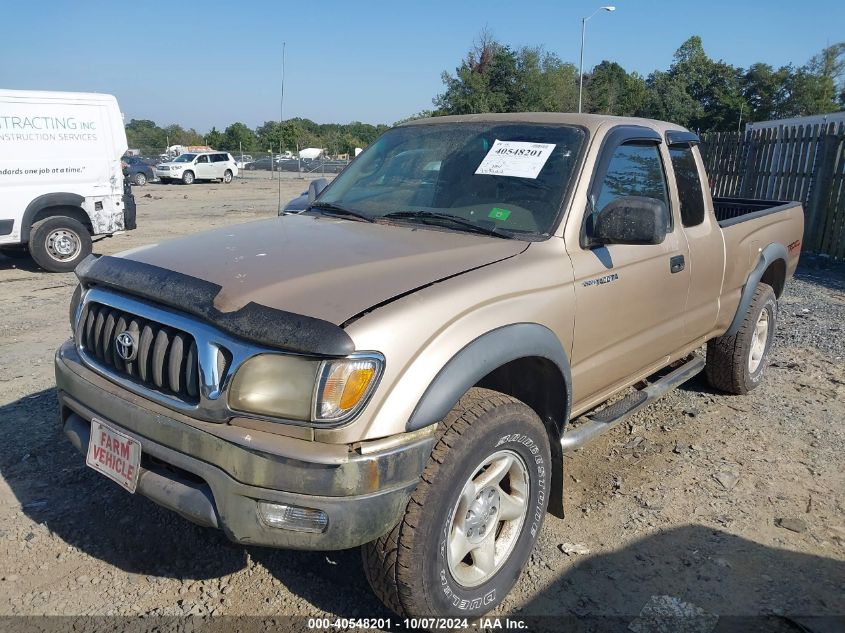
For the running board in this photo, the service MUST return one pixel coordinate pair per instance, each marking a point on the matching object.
(611, 415)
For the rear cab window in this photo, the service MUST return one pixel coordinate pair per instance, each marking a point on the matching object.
(690, 193)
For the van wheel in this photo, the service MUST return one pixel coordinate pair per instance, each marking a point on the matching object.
(59, 243)
(15, 252)
(188, 178)
(227, 177)
(472, 521)
(140, 179)
(735, 364)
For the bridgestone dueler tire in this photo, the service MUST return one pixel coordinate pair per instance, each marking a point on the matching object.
(407, 567)
(727, 356)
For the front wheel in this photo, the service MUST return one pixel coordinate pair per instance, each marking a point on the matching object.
(140, 179)
(188, 178)
(59, 243)
(736, 364)
(227, 177)
(472, 521)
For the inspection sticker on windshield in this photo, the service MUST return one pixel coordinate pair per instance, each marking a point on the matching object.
(515, 158)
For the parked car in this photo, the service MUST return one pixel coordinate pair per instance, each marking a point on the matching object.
(243, 161)
(265, 163)
(138, 170)
(189, 168)
(59, 189)
(404, 364)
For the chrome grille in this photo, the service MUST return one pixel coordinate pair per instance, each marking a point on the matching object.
(166, 359)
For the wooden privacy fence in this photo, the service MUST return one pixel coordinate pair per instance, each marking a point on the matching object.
(798, 162)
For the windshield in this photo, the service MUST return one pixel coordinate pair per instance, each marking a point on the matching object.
(185, 158)
(510, 176)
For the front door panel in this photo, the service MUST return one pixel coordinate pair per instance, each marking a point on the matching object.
(630, 298)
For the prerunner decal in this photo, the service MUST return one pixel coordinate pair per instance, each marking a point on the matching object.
(515, 158)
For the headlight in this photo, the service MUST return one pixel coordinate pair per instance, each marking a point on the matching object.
(276, 385)
(298, 388)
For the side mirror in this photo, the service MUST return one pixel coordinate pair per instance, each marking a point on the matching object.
(631, 220)
(316, 188)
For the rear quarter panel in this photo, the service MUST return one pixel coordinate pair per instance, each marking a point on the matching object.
(745, 240)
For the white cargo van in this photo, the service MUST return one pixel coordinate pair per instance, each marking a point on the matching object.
(61, 180)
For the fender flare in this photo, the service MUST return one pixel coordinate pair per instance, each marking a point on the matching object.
(56, 199)
(486, 353)
(768, 255)
(477, 359)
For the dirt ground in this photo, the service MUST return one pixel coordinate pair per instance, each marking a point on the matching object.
(732, 505)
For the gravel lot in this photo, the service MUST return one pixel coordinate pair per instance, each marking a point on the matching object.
(733, 505)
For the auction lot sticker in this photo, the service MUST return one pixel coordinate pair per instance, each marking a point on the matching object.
(114, 454)
(515, 158)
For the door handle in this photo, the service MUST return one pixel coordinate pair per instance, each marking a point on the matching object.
(676, 264)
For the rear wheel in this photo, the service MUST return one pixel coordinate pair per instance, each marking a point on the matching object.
(736, 363)
(59, 243)
(188, 178)
(227, 177)
(474, 517)
(140, 179)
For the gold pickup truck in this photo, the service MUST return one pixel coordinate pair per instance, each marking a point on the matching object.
(403, 363)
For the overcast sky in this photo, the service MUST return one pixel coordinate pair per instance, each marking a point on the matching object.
(212, 63)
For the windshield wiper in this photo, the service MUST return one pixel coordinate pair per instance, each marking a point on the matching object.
(430, 217)
(338, 211)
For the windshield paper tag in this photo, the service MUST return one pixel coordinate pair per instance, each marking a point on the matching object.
(515, 158)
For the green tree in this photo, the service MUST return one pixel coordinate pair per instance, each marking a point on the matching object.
(667, 99)
(177, 135)
(495, 78)
(609, 89)
(214, 139)
(764, 90)
(145, 135)
(238, 136)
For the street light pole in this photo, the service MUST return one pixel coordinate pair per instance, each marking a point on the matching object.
(581, 69)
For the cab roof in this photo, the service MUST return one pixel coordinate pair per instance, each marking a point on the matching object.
(590, 121)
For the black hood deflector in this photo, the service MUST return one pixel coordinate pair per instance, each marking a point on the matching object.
(254, 322)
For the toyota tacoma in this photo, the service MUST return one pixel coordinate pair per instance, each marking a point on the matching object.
(403, 364)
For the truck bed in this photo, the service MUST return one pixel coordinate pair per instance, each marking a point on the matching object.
(731, 211)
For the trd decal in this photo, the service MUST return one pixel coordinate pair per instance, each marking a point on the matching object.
(794, 245)
(602, 280)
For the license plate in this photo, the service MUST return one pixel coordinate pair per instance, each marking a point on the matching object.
(114, 454)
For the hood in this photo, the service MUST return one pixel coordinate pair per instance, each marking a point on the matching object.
(326, 268)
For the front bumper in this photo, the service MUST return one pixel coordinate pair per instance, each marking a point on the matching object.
(215, 482)
(168, 174)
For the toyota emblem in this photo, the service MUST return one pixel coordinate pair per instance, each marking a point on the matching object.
(126, 346)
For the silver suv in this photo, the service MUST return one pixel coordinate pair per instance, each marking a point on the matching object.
(198, 166)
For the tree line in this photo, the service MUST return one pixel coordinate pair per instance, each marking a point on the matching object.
(290, 135)
(695, 91)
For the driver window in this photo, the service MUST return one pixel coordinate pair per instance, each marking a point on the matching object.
(635, 169)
